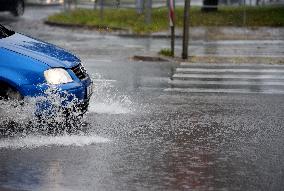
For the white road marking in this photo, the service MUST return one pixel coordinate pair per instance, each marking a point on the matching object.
(242, 91)
(228, 78)
(233, 76)
(230, 70)
(230, 65)
(197, 82)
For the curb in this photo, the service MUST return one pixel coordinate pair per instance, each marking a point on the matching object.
(160, 58)
(65, 25)
(111, 30)
(149, 58)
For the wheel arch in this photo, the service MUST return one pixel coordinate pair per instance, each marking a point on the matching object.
(5, 84)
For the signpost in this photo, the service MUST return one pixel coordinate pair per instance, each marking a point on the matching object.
(172, 25)
(185, 29)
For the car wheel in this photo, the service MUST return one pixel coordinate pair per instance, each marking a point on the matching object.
(13, 95)
(19, 8)
(7, 127)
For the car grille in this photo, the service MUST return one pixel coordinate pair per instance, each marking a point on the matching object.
(80, 71)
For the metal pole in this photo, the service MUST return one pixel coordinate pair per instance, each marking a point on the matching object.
(185, 29)
(173, 40)
(245, 14)
(172, 25)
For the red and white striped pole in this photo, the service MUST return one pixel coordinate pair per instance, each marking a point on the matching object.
(172, 25)
(172, 12)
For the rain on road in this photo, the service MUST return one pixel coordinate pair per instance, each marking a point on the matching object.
(141, 137)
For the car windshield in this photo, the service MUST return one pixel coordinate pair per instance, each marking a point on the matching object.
(4, 32)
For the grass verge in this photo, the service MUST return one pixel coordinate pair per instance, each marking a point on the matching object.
(166, 52)
(271, 16)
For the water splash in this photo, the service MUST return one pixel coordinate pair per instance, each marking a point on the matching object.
(55, 111)
(21, 127)
(17, 111)
(32, 141)
(107, 99)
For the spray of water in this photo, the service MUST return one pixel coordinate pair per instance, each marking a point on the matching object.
(43, 114)
(42, 121)
(108, 100)
(35, 141)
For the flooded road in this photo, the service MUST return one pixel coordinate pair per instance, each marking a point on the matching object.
(137, 136)
(171, 142)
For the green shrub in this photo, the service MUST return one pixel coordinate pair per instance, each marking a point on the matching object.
(166, 52)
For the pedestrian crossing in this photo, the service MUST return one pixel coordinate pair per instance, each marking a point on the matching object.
(228, 78)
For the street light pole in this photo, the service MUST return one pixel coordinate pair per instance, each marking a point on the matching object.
(185, 29)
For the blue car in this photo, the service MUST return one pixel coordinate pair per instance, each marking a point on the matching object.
(29, 68)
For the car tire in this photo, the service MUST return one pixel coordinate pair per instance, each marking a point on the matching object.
(9, 93)
(7, 126)
(19, 8)
(13, 95)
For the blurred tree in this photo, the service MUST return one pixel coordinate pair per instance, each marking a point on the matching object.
(210, 5)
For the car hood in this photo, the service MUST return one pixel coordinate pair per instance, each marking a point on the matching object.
(44, 52)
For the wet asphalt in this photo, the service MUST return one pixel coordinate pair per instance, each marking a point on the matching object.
(141, 137)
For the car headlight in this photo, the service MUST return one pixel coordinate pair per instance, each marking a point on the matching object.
(57, 76)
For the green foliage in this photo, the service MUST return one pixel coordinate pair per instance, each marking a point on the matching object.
(129, 19)
(166, 52)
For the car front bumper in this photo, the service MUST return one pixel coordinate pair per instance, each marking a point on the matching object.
(80, 91)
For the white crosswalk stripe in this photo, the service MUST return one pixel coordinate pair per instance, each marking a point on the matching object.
(189, 70)
(228, 78)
